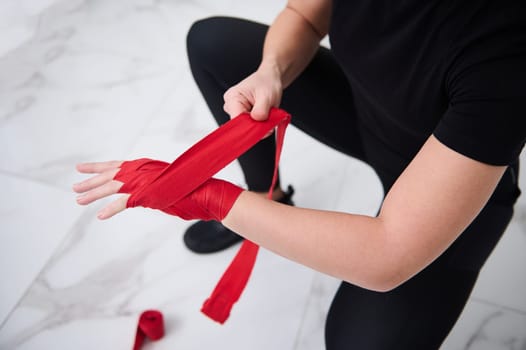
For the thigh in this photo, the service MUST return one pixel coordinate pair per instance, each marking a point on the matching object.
(416, 315)
(321, 103)
(420, 313)
(224, 50)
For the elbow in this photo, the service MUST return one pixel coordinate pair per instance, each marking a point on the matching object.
(389, 263)
(383, 282)
(387, 283)
(386, 261)
(383, 273)
(392, 274)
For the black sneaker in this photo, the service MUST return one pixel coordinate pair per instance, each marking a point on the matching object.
(211, 236)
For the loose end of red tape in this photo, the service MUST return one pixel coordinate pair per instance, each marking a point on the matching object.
(217, 310)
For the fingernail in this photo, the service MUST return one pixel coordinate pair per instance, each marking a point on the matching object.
(100, 215)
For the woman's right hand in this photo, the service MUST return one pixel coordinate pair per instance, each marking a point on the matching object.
(255, 94)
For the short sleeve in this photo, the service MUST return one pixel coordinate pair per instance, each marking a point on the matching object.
(486, 117)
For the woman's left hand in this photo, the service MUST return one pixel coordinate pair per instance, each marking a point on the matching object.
(101, 185)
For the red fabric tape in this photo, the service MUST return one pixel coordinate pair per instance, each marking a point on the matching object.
(231, 285)
(157, 185)
(206, 158)
(151, 325)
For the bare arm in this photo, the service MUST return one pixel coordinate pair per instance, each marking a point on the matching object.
(294, 37)
(431, 203)
(290, 44)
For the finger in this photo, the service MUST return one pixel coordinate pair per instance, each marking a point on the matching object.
(261, 108)
(113, 208)
(235, 108)
(95, 181)
(236, 104)
(98, 167)
(105, 190)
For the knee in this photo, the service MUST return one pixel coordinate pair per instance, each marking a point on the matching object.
(206, 37)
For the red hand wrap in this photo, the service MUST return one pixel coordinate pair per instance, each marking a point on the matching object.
(210, 201)
(185, 188)
(138, 173)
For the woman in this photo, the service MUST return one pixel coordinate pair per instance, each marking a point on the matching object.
(430, 94)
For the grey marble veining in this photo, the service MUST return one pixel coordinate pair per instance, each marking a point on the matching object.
(311, 333)
(66, 67)
(520, 216)
(103, 293)
(494, 333)
(484, 326)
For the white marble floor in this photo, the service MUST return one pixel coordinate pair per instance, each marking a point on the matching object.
(110, 80)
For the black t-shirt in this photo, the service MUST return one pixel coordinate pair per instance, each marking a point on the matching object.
(455, 69)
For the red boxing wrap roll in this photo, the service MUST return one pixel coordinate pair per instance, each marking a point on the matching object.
(185, 188)
(150, 325)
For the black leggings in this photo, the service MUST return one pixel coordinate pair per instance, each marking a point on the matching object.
(416, 315)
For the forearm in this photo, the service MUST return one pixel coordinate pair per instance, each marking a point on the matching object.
(432, 202)
(346, 246)
(292, 40)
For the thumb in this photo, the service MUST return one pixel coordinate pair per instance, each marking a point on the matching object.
(261, 109)
(113, 208)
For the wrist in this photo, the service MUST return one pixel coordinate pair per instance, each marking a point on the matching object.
(271, 68)
(228, 194)
(230, 216)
